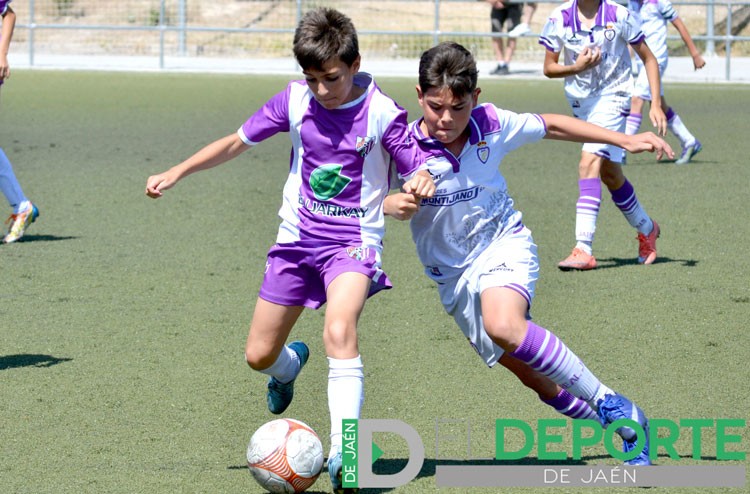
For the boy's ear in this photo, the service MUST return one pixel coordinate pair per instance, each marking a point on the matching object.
(475, 96)
(356, 64)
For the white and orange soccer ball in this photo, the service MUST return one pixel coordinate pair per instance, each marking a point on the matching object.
(285, 456)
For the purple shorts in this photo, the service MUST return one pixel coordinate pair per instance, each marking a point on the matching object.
(299, 273)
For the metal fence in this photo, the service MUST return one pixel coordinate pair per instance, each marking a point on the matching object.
(264, 28)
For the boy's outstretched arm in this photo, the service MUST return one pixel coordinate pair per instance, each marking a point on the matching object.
(698, 61)
(565, 128)
(210, 156)
(655, 113)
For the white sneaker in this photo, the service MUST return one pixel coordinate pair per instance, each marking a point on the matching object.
(519, 30)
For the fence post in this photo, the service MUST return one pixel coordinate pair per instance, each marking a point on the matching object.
(162, 17)
(710, 47)
(182, 19)
(728, 43)
(436, 37)
(31, 33)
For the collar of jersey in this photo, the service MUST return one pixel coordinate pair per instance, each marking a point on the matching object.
(475, 136)
(598, 21)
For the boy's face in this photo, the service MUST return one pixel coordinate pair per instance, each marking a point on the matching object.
(445, 116)
(334, 85)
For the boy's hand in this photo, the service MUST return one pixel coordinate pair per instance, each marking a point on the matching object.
(401, 206)
(421, 184)
(157, 183)
(588, 58)
(658, 119)
(648, 141)
(698, 62)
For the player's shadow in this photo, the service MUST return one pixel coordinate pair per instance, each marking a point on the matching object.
(44, 238)
(617, 262)
(29, 360)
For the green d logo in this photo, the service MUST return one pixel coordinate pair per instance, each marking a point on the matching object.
(360, 452)
(327, 181)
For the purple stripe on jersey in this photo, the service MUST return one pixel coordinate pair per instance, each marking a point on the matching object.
(607, 13)
(570, 17)
(546, 43)
(639, 38)
(270, 119)
(4, 6)
(520, 290)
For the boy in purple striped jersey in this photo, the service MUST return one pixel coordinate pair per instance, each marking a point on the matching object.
(474, 245)
(24, 212)
(344, 133)
(594, 36)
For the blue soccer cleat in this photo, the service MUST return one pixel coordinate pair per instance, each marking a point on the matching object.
(688, 152)
(279, 395)
(617, 407)
(335, 465)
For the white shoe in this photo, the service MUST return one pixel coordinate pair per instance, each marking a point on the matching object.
(519, 30)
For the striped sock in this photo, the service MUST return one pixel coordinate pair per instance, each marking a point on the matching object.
(626, 200)
(633, 123)
(546, 354)
(587, 210)
(570, 406)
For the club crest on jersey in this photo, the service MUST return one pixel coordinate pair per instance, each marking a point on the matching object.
(364, 145)
(609, 33)
(359, 253)
(483, 152)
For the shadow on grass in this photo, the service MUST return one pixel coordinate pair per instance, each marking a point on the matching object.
(616, 262)
(43, 238)
(29, 360)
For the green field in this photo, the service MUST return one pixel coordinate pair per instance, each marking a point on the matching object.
(123, 319)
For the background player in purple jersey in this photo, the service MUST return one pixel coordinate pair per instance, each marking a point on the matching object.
(344, 133)
(473, 242)
(594, 36)
(653, 15)
(24, 212)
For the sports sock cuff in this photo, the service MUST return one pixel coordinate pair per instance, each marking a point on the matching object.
(670, 114)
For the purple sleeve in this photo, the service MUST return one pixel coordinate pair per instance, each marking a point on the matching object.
(270, 119)
(397, 140)
(4, 6)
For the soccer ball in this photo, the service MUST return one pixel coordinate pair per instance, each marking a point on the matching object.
(285, 456)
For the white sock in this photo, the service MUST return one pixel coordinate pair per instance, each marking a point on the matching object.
(346, 392)
(633, 123)
(9, 185)
(678, 128)
(286, 367)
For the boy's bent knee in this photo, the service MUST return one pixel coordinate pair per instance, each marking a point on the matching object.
(259, 360)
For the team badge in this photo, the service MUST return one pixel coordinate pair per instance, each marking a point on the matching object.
(358, 253)
(364, 145)
(483, 152)
(609, 33)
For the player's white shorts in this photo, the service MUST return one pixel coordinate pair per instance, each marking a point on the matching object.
(609, 112)
(509, 261)
(641, 88)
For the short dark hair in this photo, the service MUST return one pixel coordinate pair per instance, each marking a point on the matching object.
(448, 65)
(324, 34)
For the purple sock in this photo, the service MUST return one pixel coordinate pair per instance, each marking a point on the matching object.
(670, 114)
(570, 406)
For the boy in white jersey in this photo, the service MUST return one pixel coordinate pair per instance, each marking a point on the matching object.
(24, 212)
(594, 36)
(344, 134)
(474, 245)
(654, 15)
